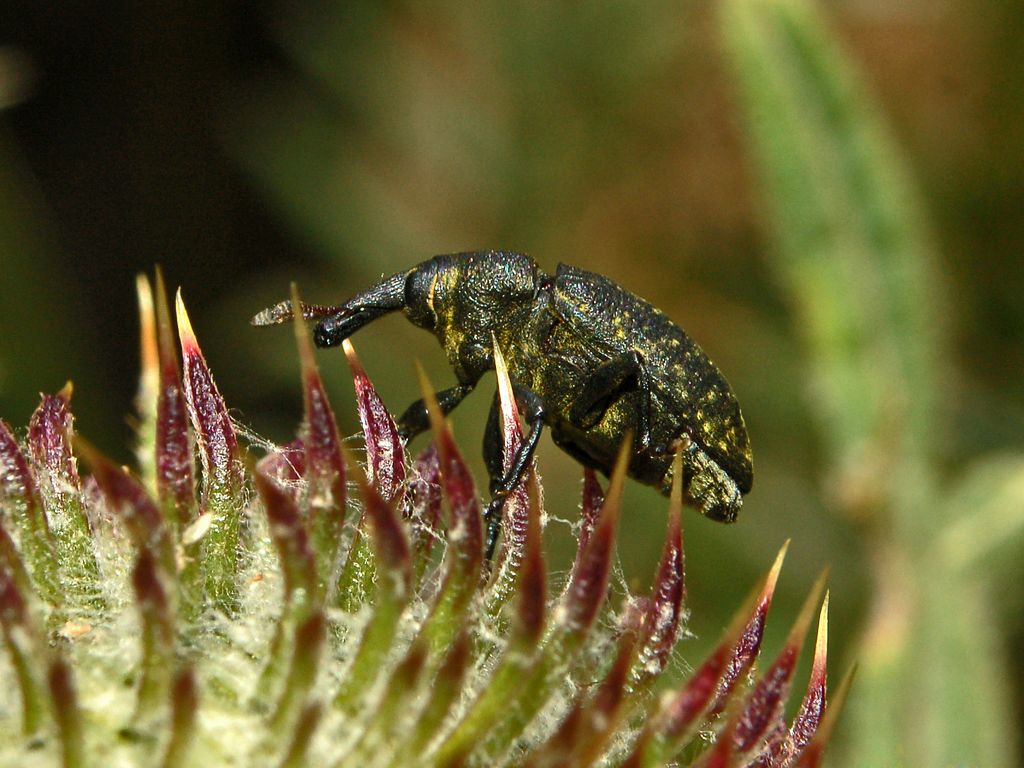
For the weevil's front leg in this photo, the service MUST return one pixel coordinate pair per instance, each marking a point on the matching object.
(494, 456)
(502, 484)
(610, 380)
(416, 418)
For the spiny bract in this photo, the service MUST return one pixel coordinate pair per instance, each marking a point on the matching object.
(300, 610)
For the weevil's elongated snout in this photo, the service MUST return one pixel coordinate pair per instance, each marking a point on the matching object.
(333, 330)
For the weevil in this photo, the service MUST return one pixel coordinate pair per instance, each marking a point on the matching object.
(586, 357)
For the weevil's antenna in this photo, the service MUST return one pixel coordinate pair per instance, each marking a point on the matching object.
(386, 296)
(282, 313)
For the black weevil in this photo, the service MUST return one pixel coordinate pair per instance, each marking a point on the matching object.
(586, 357)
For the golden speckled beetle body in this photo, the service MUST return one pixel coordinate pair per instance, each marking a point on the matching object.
(585, 357)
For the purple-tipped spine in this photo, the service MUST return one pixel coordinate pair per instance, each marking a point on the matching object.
(175, 458)
(223, 478)
(19, 495)
(385, 451)
(56, 473)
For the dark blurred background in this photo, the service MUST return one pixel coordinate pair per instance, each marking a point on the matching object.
(245, 145)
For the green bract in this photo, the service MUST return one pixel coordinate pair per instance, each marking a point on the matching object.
(301, 608)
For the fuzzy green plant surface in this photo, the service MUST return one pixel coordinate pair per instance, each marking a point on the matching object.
(233, 602)
(853, 249)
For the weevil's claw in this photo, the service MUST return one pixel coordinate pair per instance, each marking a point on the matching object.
(282, 313)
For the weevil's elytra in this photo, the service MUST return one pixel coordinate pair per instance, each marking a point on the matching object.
(585, 356)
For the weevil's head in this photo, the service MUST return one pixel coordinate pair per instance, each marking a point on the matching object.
(469, 289)
(463, 298)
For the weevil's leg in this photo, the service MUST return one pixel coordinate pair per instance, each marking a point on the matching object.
(613, 378)
(416, 418)
(533, 414)
(386, 296)
(494, 445)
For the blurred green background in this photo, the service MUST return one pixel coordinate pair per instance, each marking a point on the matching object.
(828, 198)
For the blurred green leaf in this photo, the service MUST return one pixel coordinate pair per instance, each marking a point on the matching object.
(985, 510)
(849, 243)
(854, 253)
(404, 130)
(955, 683)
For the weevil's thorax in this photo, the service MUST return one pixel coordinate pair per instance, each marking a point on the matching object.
(464, 298)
